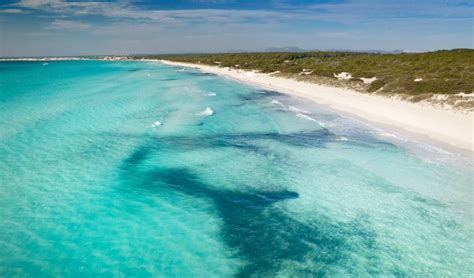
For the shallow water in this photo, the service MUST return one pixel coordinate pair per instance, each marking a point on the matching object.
(137, 168)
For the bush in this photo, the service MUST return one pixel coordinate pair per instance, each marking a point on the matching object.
(374, 86)
(444, 71)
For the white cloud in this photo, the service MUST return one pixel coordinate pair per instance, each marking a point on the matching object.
(127, 27)
(11, 11)
(60, 24)
(126, 10)
(394, 9)
(347, 12)
(53, 4)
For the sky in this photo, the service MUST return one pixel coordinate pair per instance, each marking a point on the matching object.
(59, 27)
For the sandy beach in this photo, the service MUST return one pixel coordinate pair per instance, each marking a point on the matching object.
(445, 127)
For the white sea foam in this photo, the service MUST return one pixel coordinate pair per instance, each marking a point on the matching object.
(206, 112)
(210, 94)
(342, 138)
(300, 113)
(156, 124)
(391, 135)
(434, 149)
(426, 147)
(386, 134)
(276, 102)
(306, 117)
(298, 110)
(45, 64)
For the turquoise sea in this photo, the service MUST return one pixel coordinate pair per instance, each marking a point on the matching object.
(141, 169)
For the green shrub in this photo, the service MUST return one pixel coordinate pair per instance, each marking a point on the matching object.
(355, 79)
(374, 86)
(444, 71)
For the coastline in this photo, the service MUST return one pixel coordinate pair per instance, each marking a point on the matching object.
(443, 127)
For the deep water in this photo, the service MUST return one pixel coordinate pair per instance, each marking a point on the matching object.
(141, 169)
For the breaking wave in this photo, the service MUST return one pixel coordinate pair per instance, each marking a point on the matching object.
(206, 112)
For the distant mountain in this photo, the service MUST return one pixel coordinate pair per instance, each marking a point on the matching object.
(284, 49)
(365, 51)
(297, 49)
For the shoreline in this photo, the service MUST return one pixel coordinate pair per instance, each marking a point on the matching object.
(445, 128)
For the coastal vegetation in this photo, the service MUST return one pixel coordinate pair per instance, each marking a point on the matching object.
(445, 77)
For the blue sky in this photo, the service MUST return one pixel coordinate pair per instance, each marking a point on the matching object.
(58, 27)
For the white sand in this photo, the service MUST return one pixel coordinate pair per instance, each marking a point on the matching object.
(443, 126)
(368, 80)
(343, 75)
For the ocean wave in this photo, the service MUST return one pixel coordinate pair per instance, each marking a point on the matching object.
(210, 94)
(391, 135)
(421, 145)
(298, 110)
(206, 112)
(434, 149)
(276, 102)
(300, 113)
(306, 117)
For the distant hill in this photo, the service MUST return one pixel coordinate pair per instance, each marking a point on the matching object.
(445, 77)
(297, 49)
(284, 49)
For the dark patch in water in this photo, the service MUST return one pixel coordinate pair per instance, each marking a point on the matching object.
(269, 93)
(372, 143)
(311, 139)
(315, 138)
(134, 69)
(199, 73)
(168, 79)
(428, 202)
(259, 94)
(267, 237)
(238, 104)
(247, 142)
(137, 156)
